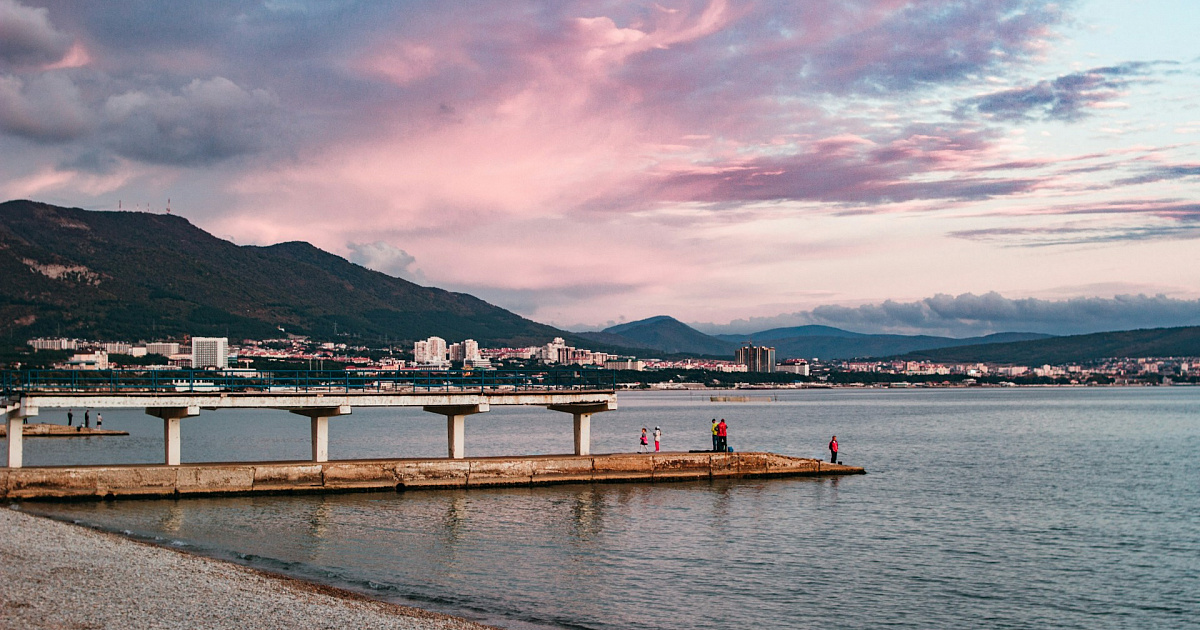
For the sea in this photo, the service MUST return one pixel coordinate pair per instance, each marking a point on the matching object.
(981, 508)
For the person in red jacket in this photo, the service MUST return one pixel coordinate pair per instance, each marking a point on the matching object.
(722, 437)
(833, 449)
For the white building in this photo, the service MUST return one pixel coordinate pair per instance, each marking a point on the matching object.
(53, 344)
(471, 350)
(97, 360)
(431, 353)
(210, 352)
(550, 352)
(802, 369)
(118, 347)
(164, 348)
(625, 364)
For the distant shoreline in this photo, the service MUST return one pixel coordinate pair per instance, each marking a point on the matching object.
(700, 387)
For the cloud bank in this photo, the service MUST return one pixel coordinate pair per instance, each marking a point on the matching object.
(588, 162)
(968, 315)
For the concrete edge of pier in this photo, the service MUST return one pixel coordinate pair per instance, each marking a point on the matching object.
(250, 478)
(43, 429)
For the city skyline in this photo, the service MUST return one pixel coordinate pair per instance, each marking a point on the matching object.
(585, 164)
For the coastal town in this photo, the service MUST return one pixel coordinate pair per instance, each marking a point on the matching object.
(750, 367)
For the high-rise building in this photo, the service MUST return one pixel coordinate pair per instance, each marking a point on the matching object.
(470, 349)
(756, 358)
(437, 349)
(430, 352)
(210, 352)
(549, 353)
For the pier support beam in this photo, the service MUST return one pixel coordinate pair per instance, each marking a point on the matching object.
(16, 433)
(170, 417)
(456, 426)
(319, 426)
(583, 422)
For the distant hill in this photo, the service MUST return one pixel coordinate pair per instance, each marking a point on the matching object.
(827, 342)
(665, 334)
(811, 330)
(862, 346)
(669, 335)
(1155, 342)
(136, 275)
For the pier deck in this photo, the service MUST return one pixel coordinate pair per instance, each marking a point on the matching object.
(244, 478)
(320, 395)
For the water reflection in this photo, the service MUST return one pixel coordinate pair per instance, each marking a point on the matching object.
(172, 518)
(587, 514)
(454, 521)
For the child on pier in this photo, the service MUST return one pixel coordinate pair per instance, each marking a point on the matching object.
(645, 447)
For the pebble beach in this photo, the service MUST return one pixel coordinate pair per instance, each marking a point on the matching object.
(58, 575)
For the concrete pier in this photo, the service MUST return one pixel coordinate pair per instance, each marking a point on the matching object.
(172, 408)
(188, 480)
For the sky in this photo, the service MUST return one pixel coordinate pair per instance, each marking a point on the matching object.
(943, 166)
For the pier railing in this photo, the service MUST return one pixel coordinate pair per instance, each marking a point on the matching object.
(137, 381)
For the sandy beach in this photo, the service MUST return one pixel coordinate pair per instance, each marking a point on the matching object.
(57, 575)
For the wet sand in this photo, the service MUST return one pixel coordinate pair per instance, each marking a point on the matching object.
(57, 575)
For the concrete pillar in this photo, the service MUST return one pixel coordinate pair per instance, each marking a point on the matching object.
(319, 430)
(456, 436)
(319, 427)
(583, 434)
(456, 425)
(171, 441)
(16, 416)
(582, 412)
(171, 417)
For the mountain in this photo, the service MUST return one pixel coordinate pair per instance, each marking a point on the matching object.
(1155, 342)
(664, 334)
(136, 275)
(827, 342)
(811, 330)
(861, 346)
(669, 335)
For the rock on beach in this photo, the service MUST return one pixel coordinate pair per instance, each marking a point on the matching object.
(57, 575)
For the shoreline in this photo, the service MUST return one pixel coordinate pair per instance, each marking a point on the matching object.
(59, 574)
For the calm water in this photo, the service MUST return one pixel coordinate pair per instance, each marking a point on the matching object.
(1016, 508)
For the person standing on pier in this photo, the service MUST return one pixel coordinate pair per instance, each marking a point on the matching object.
(87, 419)
(722, 437)
(70, 417)
(99, 420)
(657, 438)
(716, 439)
(645, 447)
(833, 450)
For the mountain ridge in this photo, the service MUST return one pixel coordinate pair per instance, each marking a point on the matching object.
(668, 334)
(1183, 341)
(129, 275)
